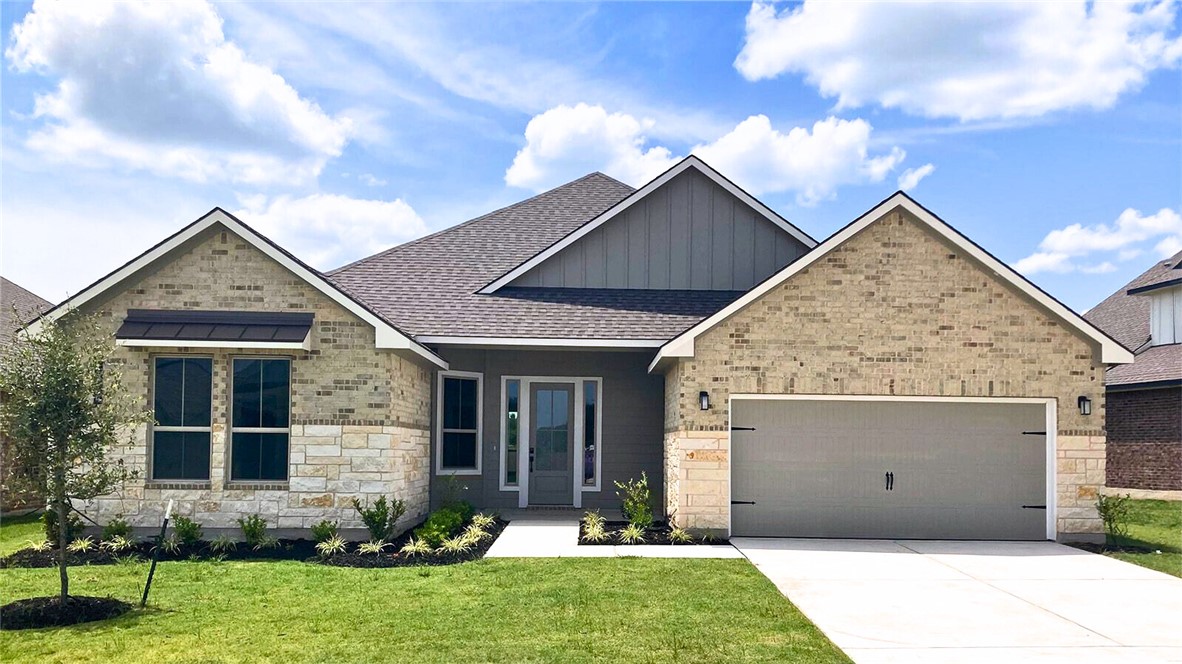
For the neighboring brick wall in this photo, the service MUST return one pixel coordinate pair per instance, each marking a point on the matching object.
(360, 417)
(1145, 439)
(896, 311)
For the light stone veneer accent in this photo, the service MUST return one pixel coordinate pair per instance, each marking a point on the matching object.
(893, 311)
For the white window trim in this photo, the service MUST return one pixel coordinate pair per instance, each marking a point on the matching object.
(523, 432)
(439, 469)
(231, 429)
(153, 427)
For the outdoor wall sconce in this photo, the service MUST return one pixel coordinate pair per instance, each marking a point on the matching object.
(1085, 405)
(704, 400)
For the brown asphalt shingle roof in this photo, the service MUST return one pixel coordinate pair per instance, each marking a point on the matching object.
(17, 307)
(428, 286)
(1126, 318)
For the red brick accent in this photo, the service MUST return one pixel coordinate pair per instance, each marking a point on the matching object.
(1145, 439)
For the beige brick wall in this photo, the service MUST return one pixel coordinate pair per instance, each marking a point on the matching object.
(893, 311)
(360, 417)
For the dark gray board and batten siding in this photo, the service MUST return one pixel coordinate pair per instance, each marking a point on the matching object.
(690, 234)
(633, 420)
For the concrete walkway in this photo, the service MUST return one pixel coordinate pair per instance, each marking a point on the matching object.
(912, 601)
(559, 538)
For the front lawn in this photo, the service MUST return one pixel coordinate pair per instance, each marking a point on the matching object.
(563, 610)
(1157, 525)
(17, 531)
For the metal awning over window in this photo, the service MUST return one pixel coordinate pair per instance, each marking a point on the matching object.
(215, 329)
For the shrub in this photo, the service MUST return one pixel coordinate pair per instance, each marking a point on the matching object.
(117, 527)
(632, 534)
(73, 526)
(594, 532)
(81, 545)
(475, 534)
(373, 547)
(679, 535)
(266, 542)
(416, 547)
(381, 518)
(440, 526)
(455, 545)
(254, 529)
(117, 544)
(593, 519)
(1114, 512)
(223, 544)
(171, 544)
(43, 545)
(484, 521)
(323, 531)
(636, 501)
(332, 546)
(187, 530)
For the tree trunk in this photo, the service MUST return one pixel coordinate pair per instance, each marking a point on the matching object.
(62, 507)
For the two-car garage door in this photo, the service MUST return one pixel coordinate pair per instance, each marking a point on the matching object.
(907, 469)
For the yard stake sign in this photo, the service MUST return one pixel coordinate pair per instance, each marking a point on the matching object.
(156, 553)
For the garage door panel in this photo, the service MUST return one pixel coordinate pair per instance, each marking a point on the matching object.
(817, 468)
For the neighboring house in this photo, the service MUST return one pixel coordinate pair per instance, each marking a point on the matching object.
(17, 307)
(1144, 399)
(894, 380)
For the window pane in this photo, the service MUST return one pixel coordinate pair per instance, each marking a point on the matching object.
(180, 455)
(247, 385)
(468, 404)
(512, 397)
(451, 403)
(198, 391)
(275, 392)
(169, 388)
(590, 406)
(459, 450)
(259, 456)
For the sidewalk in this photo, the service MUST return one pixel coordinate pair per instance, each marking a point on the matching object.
(554, 538)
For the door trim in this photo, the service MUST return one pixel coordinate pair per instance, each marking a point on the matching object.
(523, 434)
(1051, 435)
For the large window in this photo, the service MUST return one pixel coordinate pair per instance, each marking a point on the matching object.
(182, 400)
(459, 423)
(260, 419)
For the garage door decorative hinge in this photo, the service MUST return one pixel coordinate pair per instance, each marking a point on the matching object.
(742, 502)
(742, 428)
(1034, 507)
(1034, 433)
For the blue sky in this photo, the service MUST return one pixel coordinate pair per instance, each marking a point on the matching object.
(1050, 133)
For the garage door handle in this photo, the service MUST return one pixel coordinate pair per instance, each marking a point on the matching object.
(890, 481)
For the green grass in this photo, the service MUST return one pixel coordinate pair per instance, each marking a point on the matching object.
(17, 531)
(559, 610)
(1155, 524)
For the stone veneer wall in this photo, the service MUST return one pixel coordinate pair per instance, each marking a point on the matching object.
(895, 310)
(360, 417)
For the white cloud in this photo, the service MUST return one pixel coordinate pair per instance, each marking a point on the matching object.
(372, 180)
(566, 142)
(971, 61)
(1063, 249)
(157, 87)
(328, 230)
(910, 178)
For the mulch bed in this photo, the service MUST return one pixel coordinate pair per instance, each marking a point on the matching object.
(658, 534)
(38, 612)
(1091, 547)
(299, 549)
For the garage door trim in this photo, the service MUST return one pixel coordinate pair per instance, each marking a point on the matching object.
(1051, 430)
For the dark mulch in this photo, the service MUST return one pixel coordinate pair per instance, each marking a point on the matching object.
(393, 558)
(657, 534)
(48, 558)
(1091, 547)
(38, 612)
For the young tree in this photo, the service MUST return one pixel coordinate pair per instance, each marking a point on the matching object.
(64, 415)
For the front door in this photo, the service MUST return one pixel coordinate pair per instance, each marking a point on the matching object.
(551, 443)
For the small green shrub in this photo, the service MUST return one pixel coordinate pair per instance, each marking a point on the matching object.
(455, 545)
(332, 546)
(1114, 512)
(81, 545)
(440, 526)
(636, 501)
(171, 544)
(594, 532)
(73, 526)
(679, 535)
(382, 517)
(475, 534)
(592, 519)
(43, 545)
(266, 542)
(416, 547)
(254, 529)
(118, 544)
(323, 531)
(223, 544)
(187, 530)
(117, 527)
(373, 547)
(484, 521)
(632, 534)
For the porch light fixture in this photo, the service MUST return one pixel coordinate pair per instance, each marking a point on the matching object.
(1085, 405)
(704, 400)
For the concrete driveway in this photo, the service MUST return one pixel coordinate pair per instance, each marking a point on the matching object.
(921, 601)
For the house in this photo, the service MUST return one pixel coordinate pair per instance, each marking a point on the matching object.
(1144, 399)
(894, 380)
(17, 307)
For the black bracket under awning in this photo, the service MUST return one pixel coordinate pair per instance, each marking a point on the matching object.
(256, 329)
